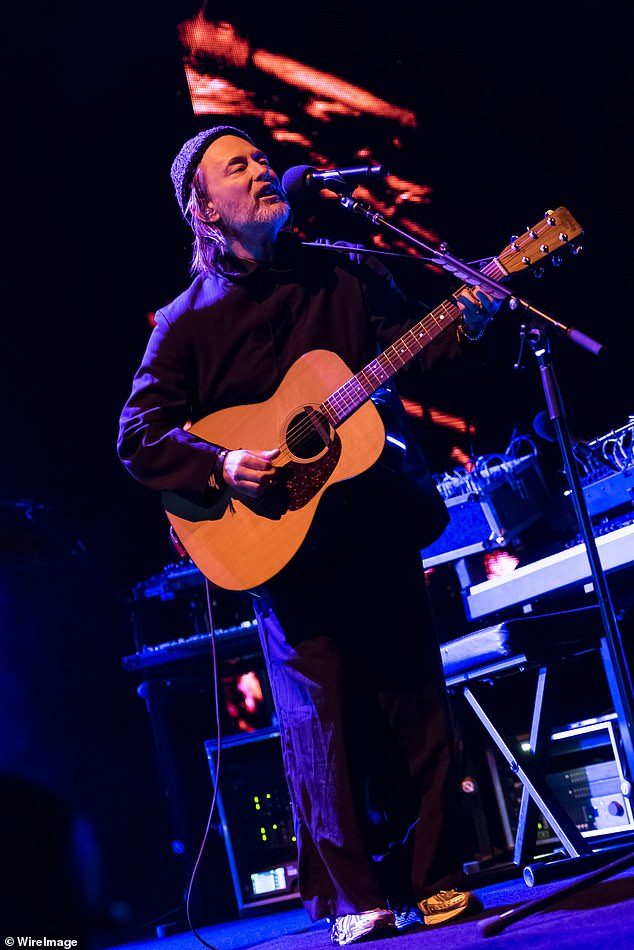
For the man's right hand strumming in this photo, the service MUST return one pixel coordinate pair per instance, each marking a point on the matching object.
(249, 473)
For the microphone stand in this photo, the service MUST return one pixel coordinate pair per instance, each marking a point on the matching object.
(614, 659)
(536, 334)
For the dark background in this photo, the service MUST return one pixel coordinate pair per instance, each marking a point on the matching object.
(521, 108)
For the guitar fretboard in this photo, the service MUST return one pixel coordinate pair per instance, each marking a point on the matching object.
(358, 389)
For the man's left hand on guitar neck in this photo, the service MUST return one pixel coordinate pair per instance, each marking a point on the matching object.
(478, 309)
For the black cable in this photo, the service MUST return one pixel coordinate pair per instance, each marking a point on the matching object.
(217, 776)
(354, 249)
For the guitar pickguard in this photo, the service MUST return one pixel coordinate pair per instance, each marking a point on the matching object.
(304, 479)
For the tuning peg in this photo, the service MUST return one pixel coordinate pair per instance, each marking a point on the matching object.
(575, 249)
(538, 272)
(556, 260)
(550, 219)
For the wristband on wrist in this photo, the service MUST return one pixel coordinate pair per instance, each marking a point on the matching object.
(471, 337)
(216, 479)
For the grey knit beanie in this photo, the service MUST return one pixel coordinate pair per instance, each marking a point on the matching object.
(188, 159)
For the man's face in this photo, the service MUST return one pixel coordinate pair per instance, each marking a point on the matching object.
(244, 193)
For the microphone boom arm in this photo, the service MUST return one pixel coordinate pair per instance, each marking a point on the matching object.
(470, 275)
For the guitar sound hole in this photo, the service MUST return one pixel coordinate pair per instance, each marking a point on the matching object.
(308, 434)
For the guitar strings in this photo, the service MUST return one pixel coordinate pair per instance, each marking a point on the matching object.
(427, 324)
(303, 429)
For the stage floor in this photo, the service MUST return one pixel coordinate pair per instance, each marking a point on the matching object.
(599, 917)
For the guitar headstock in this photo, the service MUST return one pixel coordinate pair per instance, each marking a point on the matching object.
(553, 231)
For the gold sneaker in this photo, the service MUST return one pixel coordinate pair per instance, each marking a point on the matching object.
(447, 905)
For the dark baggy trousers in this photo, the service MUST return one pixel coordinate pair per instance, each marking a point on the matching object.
(356, 676)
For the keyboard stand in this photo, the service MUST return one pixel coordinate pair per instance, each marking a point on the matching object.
(543, 642)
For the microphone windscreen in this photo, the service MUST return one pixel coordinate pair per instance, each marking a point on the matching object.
(295, 182)
(544, 427)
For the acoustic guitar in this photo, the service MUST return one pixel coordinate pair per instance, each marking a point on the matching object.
(326, 428)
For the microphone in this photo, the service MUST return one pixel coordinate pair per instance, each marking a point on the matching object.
(303, 180)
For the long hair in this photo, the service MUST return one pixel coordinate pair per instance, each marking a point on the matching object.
(209, 241)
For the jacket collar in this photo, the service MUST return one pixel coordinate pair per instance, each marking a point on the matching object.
(285, 258)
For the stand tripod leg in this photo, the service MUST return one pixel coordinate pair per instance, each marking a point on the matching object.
(488, 928)
(526, 833)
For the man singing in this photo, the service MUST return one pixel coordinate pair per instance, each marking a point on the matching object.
(346, 627)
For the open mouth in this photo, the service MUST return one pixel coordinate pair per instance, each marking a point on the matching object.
(269, 191)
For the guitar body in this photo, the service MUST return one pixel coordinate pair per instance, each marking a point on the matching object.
(240, 543)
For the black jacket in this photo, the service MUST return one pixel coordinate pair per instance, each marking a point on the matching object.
(229, 340)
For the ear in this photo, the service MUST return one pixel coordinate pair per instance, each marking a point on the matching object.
(209, 213)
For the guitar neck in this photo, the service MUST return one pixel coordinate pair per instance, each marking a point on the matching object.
(348, 398)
